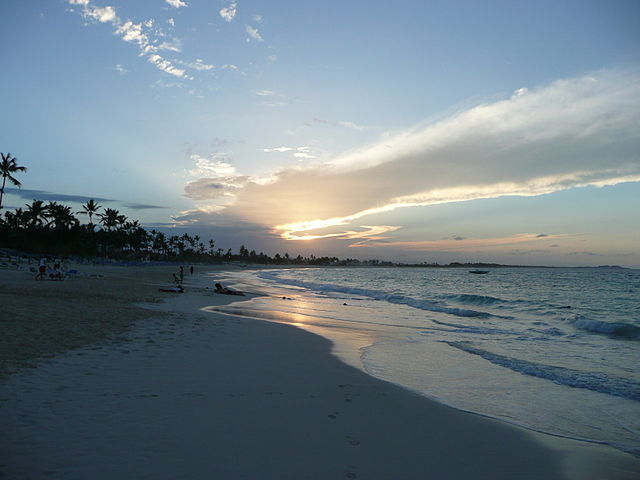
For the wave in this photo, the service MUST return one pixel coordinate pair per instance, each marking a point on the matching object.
(475, 299)
(474, 329)
(615, 329)
(422, 304)
(597, 382)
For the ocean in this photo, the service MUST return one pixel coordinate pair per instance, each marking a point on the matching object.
(556, 350)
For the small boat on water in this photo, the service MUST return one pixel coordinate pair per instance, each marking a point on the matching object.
(479, 272)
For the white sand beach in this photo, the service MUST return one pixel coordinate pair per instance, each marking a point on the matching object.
(170, 391)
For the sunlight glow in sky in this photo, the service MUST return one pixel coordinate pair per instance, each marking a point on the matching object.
(497, 131)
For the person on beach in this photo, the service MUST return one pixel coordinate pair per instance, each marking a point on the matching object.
(227, 291)
(42, 268)
(176, 289)
(55, 273)
(191, 269)
(181, 273)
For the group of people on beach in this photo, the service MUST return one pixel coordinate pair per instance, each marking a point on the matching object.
(54, 273)
(178, 279)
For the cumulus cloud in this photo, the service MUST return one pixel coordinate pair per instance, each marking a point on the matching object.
(200, 65)
(132, 32)
(120, 69)
(173, 45)
(176, 3)
(101, 14)
(228, 13)
(166, 66)
(571, 133)
(216, 165)
(299, 152)
(253, 33)
(143, 34)
(277, 149)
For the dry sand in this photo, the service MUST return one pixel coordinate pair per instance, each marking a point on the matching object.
(196, 395)
(42, 318)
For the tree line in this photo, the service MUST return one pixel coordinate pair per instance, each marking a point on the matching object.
(54, 228)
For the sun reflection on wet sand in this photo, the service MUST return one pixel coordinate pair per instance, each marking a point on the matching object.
(348, 337)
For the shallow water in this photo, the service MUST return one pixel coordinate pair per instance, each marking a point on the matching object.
(555, 350)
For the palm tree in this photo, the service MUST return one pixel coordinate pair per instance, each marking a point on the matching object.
(90, 208)
(37, 212)
(7, 167)
(61, 216)
(111, 218)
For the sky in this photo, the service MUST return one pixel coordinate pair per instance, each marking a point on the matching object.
(410, 131)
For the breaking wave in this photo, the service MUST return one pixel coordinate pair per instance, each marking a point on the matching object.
(598, 382)
(422, 304)
(618, 329)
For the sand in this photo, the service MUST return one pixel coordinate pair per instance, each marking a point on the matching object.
(182, 393)
(42, 318)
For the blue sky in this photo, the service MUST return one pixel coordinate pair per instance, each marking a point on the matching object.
(411, 130)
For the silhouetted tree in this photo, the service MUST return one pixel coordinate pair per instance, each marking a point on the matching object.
(90, 208)
(8, 167)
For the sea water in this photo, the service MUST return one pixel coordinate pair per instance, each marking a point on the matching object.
(556, 350)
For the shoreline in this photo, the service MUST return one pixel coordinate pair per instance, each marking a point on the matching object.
(193, 394)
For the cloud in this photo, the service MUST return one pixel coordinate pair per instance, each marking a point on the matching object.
(166, 66)
(176, 3)
(198, 65)
(173, 46)
(299, 152)
(141, 34)
(51, 196)
(345, 124)
(453, 244)
(216, 166)
(228, 13)
(171, 22)
(277, 149)
(253, 33)
(120, 69)
(132, 32)
(142, 206)
(571, 133)
(214, 188)
(101, 14)
(369, 234)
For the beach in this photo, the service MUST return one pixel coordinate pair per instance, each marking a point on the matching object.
(106, 377)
